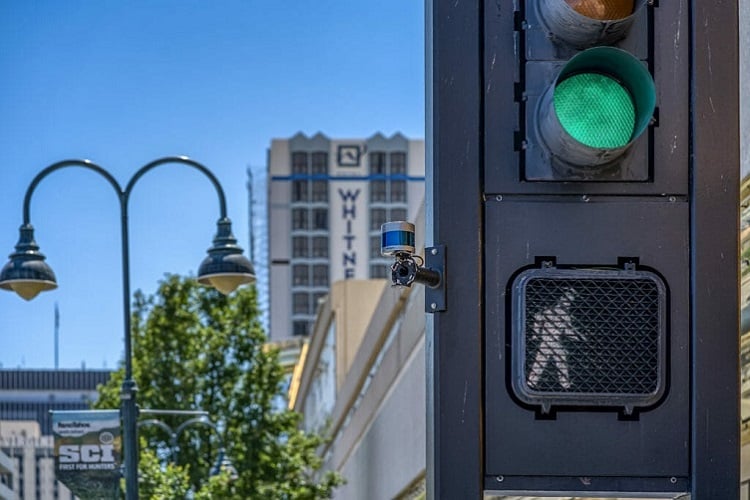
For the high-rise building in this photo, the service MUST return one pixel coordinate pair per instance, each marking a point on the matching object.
(327, 199)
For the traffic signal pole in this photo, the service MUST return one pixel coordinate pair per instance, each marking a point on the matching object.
(454, 207)
(715, 103)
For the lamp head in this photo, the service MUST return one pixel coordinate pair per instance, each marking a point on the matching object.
(26, 273)
(225, 268)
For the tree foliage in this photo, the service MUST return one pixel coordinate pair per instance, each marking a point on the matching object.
(196, 349)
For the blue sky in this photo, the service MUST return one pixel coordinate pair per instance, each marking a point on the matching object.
(125, 82)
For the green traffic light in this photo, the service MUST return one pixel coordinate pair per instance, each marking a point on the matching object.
(601, 101)
(595, 109)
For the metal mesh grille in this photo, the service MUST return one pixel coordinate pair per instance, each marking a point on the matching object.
(583, 338)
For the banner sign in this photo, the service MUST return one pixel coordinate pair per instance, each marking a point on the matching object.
(88, 451)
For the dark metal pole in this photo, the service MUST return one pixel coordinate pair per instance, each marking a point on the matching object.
(129, 407)
(454, 337)
(715, 155)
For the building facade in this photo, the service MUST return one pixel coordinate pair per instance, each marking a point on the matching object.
(31, 394)
(745, 335)
(32, 459)
(327, 199)
(7, 476)
(26, 399)
(361, 383)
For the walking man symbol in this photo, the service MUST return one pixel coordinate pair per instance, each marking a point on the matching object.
(550, 327)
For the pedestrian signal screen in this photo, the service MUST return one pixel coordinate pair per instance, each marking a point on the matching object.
(588, 337)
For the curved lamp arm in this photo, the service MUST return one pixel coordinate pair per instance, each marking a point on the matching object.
(123, 195)
(174, 434)
(57, 166)
(184, 160)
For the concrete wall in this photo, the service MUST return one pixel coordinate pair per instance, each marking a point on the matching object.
(382, 450)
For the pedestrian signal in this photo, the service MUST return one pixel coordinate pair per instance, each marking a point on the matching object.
(589, 337)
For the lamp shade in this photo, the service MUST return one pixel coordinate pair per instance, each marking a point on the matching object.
(225, 268)
(26, 273)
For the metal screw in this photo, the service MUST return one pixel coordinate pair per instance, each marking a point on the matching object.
(499, 479)
(673, 480)
(433, 306)
(585, 198)
(672, 199)
(434, 251)
(499, 197)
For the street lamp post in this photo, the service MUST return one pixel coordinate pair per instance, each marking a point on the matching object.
(222, 460)
(225, 268)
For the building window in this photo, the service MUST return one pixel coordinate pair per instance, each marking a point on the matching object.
(299, 191)
(398, 191)
(398, 163)
(379, 271)
(375, 247)
(299, 163)
(299, 218)
(377, 163)
(300, 303)
(319, 163)
(398, 214)
(320, 246)
(300, 246)
(377, 191)
(300, 275)
(319, 191)
(320, 218)
(320, 275)
(377, 218)
(299, 328)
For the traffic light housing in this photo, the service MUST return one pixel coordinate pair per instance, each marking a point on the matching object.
(587, 92)
(589, 244)
(588, 344)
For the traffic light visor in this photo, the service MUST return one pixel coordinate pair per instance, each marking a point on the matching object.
(588, 23)
(604, 98)
(603, 10)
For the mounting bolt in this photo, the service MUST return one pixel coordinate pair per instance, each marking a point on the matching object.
(433, 306)
(499, 479)
(434, 251)
(499, 197)
(673, 480)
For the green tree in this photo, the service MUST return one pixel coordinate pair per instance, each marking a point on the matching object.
(195, 348)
